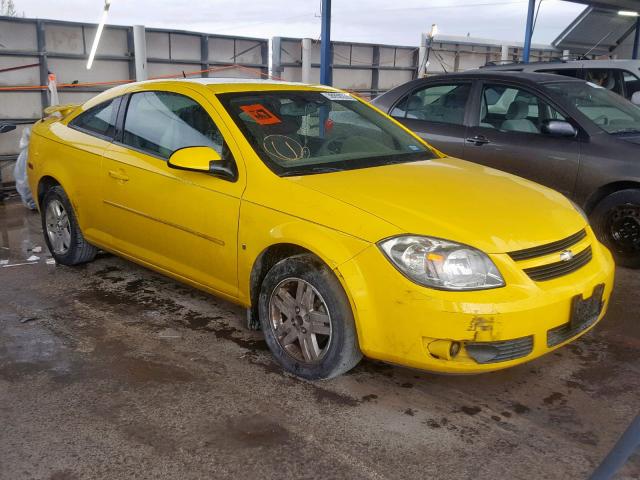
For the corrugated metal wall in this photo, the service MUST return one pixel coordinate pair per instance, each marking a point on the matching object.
(364, 68)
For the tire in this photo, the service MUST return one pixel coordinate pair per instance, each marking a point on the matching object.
(61, 230)
(312, 333)
(616, 221)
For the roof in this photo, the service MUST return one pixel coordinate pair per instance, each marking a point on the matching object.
(524, 77)
(560, 64)
(597, 31)
(216, 85)
(224, 84)
(469, 40)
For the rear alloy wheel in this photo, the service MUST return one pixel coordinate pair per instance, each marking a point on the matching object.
(307, 319)
(616, 219)
(61, 231)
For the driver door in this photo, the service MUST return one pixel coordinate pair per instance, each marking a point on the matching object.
(179, 221)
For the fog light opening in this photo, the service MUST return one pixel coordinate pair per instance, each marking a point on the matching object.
(444, 349)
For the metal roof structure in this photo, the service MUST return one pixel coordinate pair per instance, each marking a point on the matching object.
(598, 31)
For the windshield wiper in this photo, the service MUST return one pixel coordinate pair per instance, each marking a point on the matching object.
(307, 171)
(626, 130)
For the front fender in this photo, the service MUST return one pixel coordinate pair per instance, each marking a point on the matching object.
(261, 227)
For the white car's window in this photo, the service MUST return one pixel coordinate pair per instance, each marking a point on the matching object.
(162, 122)
(300, 132)
(631, 83)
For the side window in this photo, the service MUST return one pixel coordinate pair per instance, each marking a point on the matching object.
(99, 120)
(513, 109)
(438, 103)
(631, 83)
(605, 77)
(567, 72)
(162, 122)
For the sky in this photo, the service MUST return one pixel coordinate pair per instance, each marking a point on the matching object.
(376, 21)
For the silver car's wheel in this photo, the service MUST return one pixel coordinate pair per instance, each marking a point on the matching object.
(58, 227)
(300, 320)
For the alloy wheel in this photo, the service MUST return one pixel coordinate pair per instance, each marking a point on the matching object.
(58, 227)
(300, 320)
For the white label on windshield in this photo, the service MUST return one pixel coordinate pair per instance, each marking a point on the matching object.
(594, 85)
(338, 96)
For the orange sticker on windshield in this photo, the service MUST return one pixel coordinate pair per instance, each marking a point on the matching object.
(260, 114)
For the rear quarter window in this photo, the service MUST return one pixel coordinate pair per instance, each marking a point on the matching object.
(99, 120)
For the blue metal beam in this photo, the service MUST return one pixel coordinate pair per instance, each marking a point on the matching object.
(636, 40)
(528, 33)
(618, 456)
(325, 47)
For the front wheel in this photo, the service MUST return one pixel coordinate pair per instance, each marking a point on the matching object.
(307, 320)
(61, 230)
(616, 220)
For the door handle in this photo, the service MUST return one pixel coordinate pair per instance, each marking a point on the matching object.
(118, 176)
(478, 140)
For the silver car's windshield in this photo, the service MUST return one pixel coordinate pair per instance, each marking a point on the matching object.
(607, 110)
(305, 132)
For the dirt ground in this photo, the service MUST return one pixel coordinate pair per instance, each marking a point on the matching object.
(110, 371)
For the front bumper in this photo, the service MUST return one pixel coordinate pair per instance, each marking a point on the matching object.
(397, 319)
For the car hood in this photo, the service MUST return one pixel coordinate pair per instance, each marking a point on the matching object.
(455, 200)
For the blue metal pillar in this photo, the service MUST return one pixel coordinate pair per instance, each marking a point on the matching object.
(636, 40)
(325, 47)
(528, 33)
(626, 445)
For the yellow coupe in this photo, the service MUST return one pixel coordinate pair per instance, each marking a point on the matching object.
(340, 231)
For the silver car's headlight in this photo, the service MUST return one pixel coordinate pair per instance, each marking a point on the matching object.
(441, 264)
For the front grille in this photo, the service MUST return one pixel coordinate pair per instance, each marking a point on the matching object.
(493, 352)
(564, 332)
(557, 269)
(548, 248)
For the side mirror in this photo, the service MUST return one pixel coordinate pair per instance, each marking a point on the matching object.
(6, 127)
(559, 128)
(201, 159)
(635, 98)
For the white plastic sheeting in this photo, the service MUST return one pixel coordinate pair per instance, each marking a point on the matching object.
(20, 171)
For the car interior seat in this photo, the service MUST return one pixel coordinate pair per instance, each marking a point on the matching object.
(483, 116)
(516, 118)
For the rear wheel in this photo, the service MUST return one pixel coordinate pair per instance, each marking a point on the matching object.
(61, 231)
(616, 220)
(307, 320)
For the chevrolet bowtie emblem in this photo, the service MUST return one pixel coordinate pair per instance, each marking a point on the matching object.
(566, 255)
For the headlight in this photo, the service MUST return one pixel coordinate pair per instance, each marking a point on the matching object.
(441, 264)
(579, 210)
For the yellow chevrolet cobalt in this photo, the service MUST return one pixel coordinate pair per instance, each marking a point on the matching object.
(340, 231)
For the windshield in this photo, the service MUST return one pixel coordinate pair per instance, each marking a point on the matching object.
(303, 132)
(609, 111)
